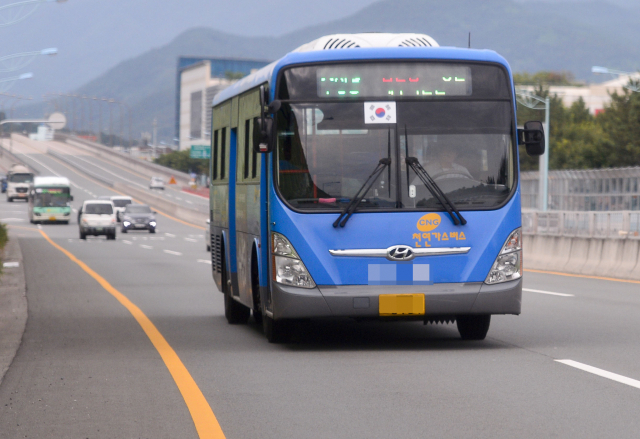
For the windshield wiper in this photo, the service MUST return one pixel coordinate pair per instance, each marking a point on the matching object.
(436, 191)
(359, 196)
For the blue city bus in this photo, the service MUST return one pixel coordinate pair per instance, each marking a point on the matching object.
(369, 176)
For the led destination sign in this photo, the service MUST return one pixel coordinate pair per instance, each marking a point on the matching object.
(395, 80)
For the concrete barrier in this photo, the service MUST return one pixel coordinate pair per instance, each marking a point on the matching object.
(616, 257)
(88, 173)
(141, 166)
(12, 158)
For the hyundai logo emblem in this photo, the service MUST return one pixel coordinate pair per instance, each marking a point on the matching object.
(400, 253)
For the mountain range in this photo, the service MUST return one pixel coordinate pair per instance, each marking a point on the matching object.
(531, 35)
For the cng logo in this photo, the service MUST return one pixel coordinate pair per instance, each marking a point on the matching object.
(428, 222)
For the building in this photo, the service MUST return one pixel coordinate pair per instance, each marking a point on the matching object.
(198, 81)
(596, 96)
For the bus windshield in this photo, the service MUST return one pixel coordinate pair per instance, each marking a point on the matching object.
(56, 197)
(326, 151)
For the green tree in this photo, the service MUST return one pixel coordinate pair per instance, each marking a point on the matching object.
(180, 161)
(621, 122)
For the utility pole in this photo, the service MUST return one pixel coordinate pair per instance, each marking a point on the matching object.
(155, 136)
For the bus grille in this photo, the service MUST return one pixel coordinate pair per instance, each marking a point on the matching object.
(216, 256)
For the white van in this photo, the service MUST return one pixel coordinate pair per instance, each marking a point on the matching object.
(120, 202)
(97, 217)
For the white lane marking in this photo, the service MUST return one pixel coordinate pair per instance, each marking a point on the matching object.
(169, 196)
(172, 252)
(124, 241)
(190, 239)
(190, 202)
(205, 261)
(148, 247)
(529, 290)
(11, 264)
(170, 235)
(13, 220)
(45, 166)
(74, 210)
(178, 198)
(157, 238)
(39, 226)
(603, 373)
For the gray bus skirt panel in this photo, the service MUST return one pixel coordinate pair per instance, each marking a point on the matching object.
(445, 299)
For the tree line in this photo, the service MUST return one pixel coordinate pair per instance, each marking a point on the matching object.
(578, 139)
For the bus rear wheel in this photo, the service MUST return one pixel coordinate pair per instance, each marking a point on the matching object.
(473, 327)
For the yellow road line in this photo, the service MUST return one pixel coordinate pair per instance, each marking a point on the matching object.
(585, 276)
(118, 192)
(205, 421)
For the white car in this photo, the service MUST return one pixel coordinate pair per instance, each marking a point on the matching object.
(156, 183)
(120, 202)
(97, 217)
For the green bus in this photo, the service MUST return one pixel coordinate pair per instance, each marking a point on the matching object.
(49, 200)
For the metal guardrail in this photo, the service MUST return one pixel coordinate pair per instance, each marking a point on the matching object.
(612, 189)
(620, 224)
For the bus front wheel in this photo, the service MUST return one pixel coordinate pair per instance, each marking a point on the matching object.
(234, 311)
(276, 331)
(473, 327)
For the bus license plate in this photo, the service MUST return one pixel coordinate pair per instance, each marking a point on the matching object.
(401, 304)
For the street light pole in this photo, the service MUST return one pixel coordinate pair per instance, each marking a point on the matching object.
(529, 100)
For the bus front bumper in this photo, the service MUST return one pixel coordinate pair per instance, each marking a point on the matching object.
(362, 301)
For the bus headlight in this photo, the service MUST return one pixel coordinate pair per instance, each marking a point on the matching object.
(508, 264)
(288, 268)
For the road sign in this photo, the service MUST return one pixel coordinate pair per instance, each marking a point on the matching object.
(200, 152)
(57, 121)
(173, 180)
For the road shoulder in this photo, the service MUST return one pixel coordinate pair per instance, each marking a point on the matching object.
(13, 304)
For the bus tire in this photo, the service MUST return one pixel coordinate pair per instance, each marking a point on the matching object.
(10, 200)
(235, 312)
(83, 236)
(473, 327)
(276, 331)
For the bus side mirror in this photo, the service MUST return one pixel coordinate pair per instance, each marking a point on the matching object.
(532, 137)
(262, 134)
(70, 197)
(263, 125)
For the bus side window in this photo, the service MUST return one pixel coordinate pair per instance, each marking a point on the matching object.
(254, 160)
(246, 149)
(214, 157)
(223, 161)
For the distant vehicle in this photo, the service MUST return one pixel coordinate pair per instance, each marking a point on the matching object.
(119, 203)
(19, 178)
(378, 182)
(97, 217)
(138, 217)
(104, 197)
(49, 199)
(156, 183)
(3, 183)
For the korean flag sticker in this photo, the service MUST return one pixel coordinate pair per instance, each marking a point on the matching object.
(379, 112)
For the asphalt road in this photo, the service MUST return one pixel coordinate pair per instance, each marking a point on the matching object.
(86, 369)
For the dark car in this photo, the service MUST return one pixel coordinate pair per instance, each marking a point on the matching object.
(3, 183)
(138, 217)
